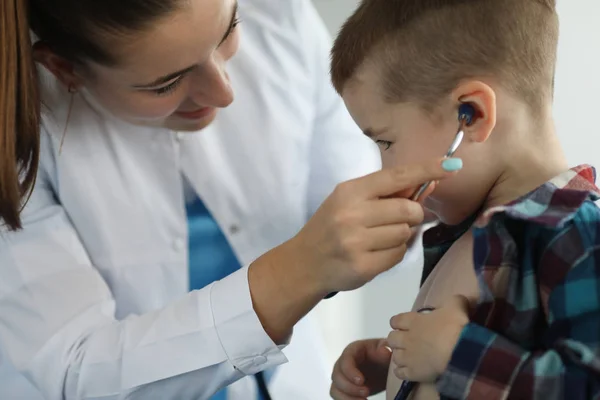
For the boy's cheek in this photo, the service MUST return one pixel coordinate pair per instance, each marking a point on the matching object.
(397, 156)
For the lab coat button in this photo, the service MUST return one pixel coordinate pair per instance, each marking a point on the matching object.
(178, 244)
(234, 229)
(260, 360)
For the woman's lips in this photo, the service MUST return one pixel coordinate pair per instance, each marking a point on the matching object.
(198, 114)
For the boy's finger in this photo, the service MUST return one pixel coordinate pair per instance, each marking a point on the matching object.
(402, 373)
(396, 340)
(403, 321)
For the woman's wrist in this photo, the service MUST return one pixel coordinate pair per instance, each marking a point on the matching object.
(284, 289)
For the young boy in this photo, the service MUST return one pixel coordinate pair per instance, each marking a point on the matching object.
(519, 233)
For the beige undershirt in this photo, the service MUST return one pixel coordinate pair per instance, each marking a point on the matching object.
(454, 274)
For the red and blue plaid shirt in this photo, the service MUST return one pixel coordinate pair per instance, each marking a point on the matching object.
(535, 331)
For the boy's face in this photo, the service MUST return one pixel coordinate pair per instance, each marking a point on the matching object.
(406, 134)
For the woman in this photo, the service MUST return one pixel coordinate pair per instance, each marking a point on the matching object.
(93, 302)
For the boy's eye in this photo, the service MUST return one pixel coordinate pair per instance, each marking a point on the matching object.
(385, 144)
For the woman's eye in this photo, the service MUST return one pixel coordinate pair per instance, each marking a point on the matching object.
(385, 144)
(170, 88)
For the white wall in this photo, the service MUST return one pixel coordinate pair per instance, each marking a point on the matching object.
(577, 98)
(365, 313)
(335, 12)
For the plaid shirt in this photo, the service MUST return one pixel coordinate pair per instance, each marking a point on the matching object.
(535, 331)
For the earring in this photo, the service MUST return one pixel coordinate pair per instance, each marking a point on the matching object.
(72, 90)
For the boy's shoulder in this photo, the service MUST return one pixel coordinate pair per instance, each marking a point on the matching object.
(551, 205)
(545, 234)
(557, 220)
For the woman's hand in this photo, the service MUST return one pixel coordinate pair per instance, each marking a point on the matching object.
(364, 226)
(361, 370)
(360, 231)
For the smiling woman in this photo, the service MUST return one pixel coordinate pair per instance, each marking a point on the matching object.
(168, 74)
(109, 48)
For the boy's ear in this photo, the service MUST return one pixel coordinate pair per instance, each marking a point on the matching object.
(483, 99)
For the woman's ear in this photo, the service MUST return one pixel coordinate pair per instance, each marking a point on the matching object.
(63, 70)
(483, 99)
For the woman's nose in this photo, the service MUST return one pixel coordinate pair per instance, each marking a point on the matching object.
(212, 86)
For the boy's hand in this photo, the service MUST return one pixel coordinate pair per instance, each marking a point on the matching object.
(361, 370)
(422, 344)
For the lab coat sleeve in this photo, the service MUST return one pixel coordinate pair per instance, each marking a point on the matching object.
(58, 328)
(339, 150)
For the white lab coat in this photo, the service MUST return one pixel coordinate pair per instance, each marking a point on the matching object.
(93, 292)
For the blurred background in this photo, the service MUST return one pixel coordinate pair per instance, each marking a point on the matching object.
(366, 312)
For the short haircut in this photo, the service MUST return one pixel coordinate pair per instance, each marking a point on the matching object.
(423, 49)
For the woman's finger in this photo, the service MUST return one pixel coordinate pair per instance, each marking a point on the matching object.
(392, 211)
(387, 237)
(346, 386)
(393, 180)
(353, 355)
(410, 192)
(383, 260)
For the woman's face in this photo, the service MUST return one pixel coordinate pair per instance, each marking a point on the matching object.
(174, 75)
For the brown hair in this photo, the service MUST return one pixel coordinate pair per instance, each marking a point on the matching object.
(19, 111)
(72, 29)
(424, 48)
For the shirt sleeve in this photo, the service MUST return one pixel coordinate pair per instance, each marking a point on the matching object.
(339, 150)
(58, 325)
(487, 365)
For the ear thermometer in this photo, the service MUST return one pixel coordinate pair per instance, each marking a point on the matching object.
(465, 118)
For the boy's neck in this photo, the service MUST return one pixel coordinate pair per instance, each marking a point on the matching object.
(532, 156)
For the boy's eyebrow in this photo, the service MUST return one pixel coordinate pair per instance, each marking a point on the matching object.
(370, 133)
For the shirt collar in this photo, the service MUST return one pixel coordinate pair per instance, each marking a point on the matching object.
(551, 204)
